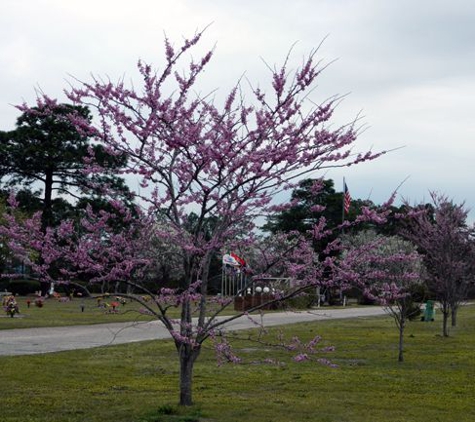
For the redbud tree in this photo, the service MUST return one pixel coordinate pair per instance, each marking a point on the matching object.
(223, 162)
(386, 269)
(446, 241)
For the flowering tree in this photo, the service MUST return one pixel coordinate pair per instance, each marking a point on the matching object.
(4, 253)
(445, 240)
(386, 269)
(226, 164)
(99, 248)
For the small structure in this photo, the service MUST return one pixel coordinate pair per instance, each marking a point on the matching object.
(249, 292)
(262, 293)
(263, 300)
(233, 275)
(429, 311)
(233, 282)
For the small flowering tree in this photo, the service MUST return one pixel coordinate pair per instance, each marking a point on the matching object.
(91, 249)
(446, 241)
(225, 163)
(386, 269)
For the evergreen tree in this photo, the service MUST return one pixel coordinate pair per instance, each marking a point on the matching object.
(44, 157)
(312, 201)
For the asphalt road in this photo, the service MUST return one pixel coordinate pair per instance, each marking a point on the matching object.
(30, 341)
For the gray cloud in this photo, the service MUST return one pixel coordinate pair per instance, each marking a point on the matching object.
(407, 64)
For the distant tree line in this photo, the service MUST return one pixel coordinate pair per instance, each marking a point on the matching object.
(43, 162)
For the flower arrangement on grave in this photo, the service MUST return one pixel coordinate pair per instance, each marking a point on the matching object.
(39, 302)
(11, 306)
(111, 308)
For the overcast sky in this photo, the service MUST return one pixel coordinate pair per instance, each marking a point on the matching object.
(408, 66)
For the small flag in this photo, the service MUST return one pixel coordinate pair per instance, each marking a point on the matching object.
(240, 261)
(230, 260)
(346, 198)
(233, 260)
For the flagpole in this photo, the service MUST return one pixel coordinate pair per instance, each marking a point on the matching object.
(342, 218)
(346, 202)
(343, 204)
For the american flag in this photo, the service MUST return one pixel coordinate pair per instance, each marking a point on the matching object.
(346, 198)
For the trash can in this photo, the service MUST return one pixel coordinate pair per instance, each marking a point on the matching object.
(429, 311)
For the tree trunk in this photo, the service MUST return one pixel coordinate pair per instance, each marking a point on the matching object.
(187, 355)
(445, 324)
(401, 340)
(47, 216)
(46, 220)
(187, 349)
(453, 316)
(204, 290)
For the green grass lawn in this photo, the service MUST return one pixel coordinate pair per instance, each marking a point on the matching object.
(55, 313)
(138, 382)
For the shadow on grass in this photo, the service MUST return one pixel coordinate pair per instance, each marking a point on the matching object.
(169, 413)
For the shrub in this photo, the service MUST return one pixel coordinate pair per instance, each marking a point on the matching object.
(24, 287)
(414, 311)
(419, 292)
(4, 284)
(304, 300)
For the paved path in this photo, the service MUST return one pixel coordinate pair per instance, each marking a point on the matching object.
(29, 341)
